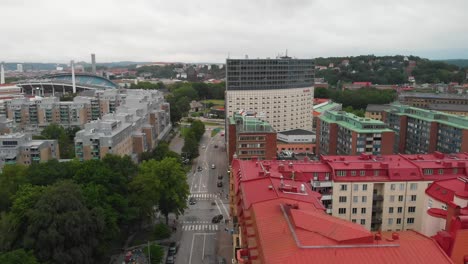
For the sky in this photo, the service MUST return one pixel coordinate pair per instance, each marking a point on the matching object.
(211, 30)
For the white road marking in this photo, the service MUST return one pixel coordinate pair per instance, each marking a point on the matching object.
(227, 213)
(219, 209)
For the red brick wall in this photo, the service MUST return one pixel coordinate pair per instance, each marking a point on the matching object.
(353, 143)
(464, 144)
(270, 146)
(434, 130)
(333, 140)
(388, 140)
(232, 141)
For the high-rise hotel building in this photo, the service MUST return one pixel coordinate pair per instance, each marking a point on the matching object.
(279, 91)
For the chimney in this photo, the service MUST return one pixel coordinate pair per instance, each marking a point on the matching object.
(73, 76)
(2, 78)
(93, 63)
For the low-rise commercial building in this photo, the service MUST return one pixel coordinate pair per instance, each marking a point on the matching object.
(423, 100)
(297, 141)
(250, 137)
(374, 111)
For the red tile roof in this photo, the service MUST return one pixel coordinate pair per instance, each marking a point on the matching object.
(445, 190)
(311, 236)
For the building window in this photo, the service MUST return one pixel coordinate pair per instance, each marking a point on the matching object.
(342, 199)
(362, 173)
(444, 207)
(363, 221)
(413, 198)
(364, 199)
(412, 209)
(441, 171)
(400, 198)
(410, 220)
(413, 186)
(355, 199)
(343, 187)
(341, 210)
(353, 173)
(315, 176)
(355, 187)
(354, 210)
(341, 173)
(390, 221)
(392, 187)
(455, 170)
(398, 221)
(390, 210)
(363, 210)
(429, 204)
(376, 173)
(402, 186)
(428, 171)
(400, 210)
(392, 198)
(327, 176)
(353, 220)
(364, 187)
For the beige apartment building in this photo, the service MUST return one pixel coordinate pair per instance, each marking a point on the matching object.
(20, 148)
(136, 126)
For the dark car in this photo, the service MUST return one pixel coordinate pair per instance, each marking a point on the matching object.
(220, 184)
(217, 219)
(192, 201)
(170, 260)
(172, 249)
(220, 177)
(199, 168)
(215, 146)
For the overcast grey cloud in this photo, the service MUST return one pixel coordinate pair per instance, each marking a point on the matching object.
(196, 31)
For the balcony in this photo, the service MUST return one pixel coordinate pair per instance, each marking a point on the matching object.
(377, 197)
(376, 221)
(326, 197)
(321, 184)
(377, 210)
(329, 211)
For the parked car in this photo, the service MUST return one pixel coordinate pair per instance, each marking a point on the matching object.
(217, 219)
(199, 168)
(172, 249)
(220, 184)
(213, 166)
(192, 201)
(170, 260)
(220, 177)
(216, 146)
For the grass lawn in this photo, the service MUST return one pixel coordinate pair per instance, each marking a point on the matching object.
(184, 131)
(214, 101)
(215, 131)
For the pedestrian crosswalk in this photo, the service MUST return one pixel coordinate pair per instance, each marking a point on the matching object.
(200, 227)
(204, 196)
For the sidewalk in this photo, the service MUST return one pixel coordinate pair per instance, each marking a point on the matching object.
(224, 249)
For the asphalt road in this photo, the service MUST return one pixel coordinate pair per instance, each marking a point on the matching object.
(199, 240)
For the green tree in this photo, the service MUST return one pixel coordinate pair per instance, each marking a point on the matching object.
(190, 145)
(145, 190)
(60, 228)
(156, 252)
(66, 145)
(18, 256)
(11, 178)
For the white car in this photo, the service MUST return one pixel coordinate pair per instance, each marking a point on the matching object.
(213, 166)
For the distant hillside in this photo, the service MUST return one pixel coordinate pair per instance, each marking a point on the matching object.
(386, 70)
(458, 62)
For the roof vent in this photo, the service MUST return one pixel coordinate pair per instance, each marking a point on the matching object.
(395, 236)
(270, 187)
(290, 164)
(303, 190)
(346, 163)
(378, 236)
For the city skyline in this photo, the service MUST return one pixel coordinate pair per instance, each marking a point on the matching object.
(183, 31)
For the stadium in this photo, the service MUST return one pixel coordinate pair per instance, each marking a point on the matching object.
(63, 84)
